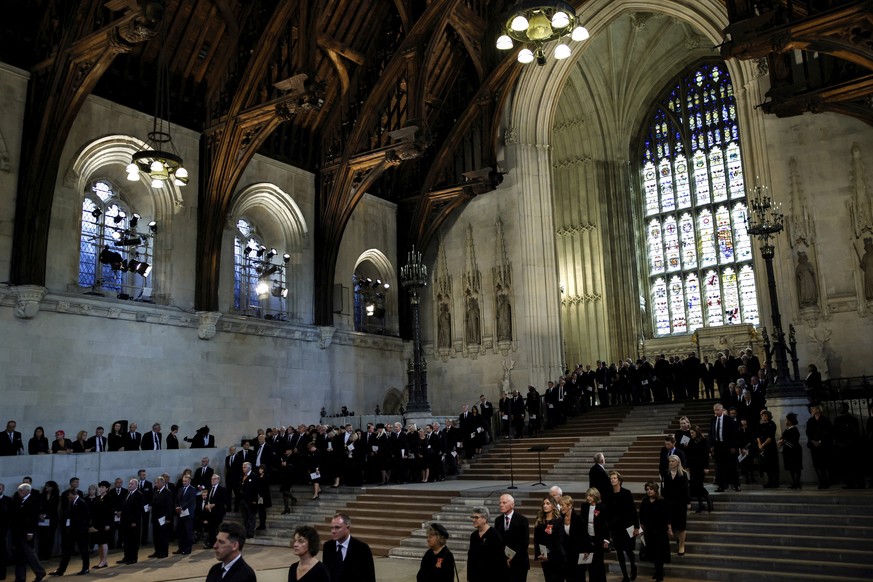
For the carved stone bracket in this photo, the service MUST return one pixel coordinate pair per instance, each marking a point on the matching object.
(573, 230)
(28, 299)
(206, 330)
(571, 162)
(326, 339)
(577, 299)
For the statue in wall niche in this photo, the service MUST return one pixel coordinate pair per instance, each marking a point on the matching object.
(867, 267)
(473, 333)
(504, 318)
(807, 286)
(444, 327)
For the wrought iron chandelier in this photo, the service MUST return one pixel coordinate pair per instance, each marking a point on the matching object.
(158, 159)
(538, 22)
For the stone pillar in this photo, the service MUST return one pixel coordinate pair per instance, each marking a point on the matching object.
(779, 407)
(537, 290)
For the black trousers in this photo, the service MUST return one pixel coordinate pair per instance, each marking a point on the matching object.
(130, 538)
(74, 541)
(25, 556)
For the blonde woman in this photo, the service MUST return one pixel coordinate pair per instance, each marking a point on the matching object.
(549, 540)
(675, 492)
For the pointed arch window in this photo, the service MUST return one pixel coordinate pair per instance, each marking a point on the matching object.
(694, 201)
(259, 284)
(114, 254)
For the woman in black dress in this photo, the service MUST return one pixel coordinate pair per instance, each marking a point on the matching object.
(49, 504)
(748, 447)
(594, 515)
(313, 465)
(265, 498)
(61, 444)
(102, 516)
(623, 515)
(769, 452)
(792, 454)
(38, 444)
(533, 411)
(683, 435)
(485, 559)
(438, 563)
(305, 545)
(549, 540)
(116, 438)
(80, 445)
(818, 439)
(655, 519)
(576, 540)
(697, 456)
(676, 495)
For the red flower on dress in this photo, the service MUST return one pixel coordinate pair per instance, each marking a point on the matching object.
(439, 563)
(596, 512)
(549, 529)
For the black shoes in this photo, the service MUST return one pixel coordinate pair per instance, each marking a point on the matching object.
(56, 573)
(261, 528)
(720, 490)
(83, 572)
(633, 575)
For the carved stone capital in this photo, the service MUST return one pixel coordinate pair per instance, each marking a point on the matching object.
(326, 332)
(206, 330)
(27, 300)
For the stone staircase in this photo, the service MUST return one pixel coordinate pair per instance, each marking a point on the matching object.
(563, 443)
(778, 536)
(381, 516)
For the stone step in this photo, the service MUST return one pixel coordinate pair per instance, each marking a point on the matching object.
(689, 571)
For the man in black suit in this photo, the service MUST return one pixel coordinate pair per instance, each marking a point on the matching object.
(228, 551)
(346, 558)
(186, 506)
(25, 517)
(117, 494)
(668, 449)
(202, 440)
(76, 521)
(98, 443)
(232, 477)
(723, 447)
(216, 507)
(203, 475)
(151, 441)
(263, 454)
(131, 520)
(514, 529)
(162, 518)
(145, 487)
(598, 478)
(518, 410)
(10, 442)
(132, 438)
(5, 515)
(248, 492)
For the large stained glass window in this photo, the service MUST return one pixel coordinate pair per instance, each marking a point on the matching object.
(694, 200)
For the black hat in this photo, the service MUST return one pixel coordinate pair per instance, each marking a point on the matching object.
(105, 484)
(440, 530)
(380, 425)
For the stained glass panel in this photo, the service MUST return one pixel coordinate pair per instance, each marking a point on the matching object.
(671, 243)
(666, 181)
(650, 186)
(693, 302)
(714, 314)
(725, 240)
(701, 178)
(748, 295)
(683, 188)
(677, 305)
(706, 233)
(656, 248)
(689, 245)
(743, 246)
(730, 297)
(716, 172)
(735, 172)
(661, 306)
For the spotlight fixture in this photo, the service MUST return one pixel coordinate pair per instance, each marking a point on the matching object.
(387, 285)
(96, 213)
(136, 266)
(261, 250)
(286, 257)
(371, 309)
(134, 220)
(271, 254)
(262, 287)
(132, 241)
(153, 226)
(119, 217)
(116, 235)
(539, 22)
(279, 291)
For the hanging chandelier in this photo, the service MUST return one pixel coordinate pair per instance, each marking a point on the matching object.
(536, 23)
(158, 158)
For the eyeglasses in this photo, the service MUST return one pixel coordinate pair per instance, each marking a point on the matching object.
(475, 517)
